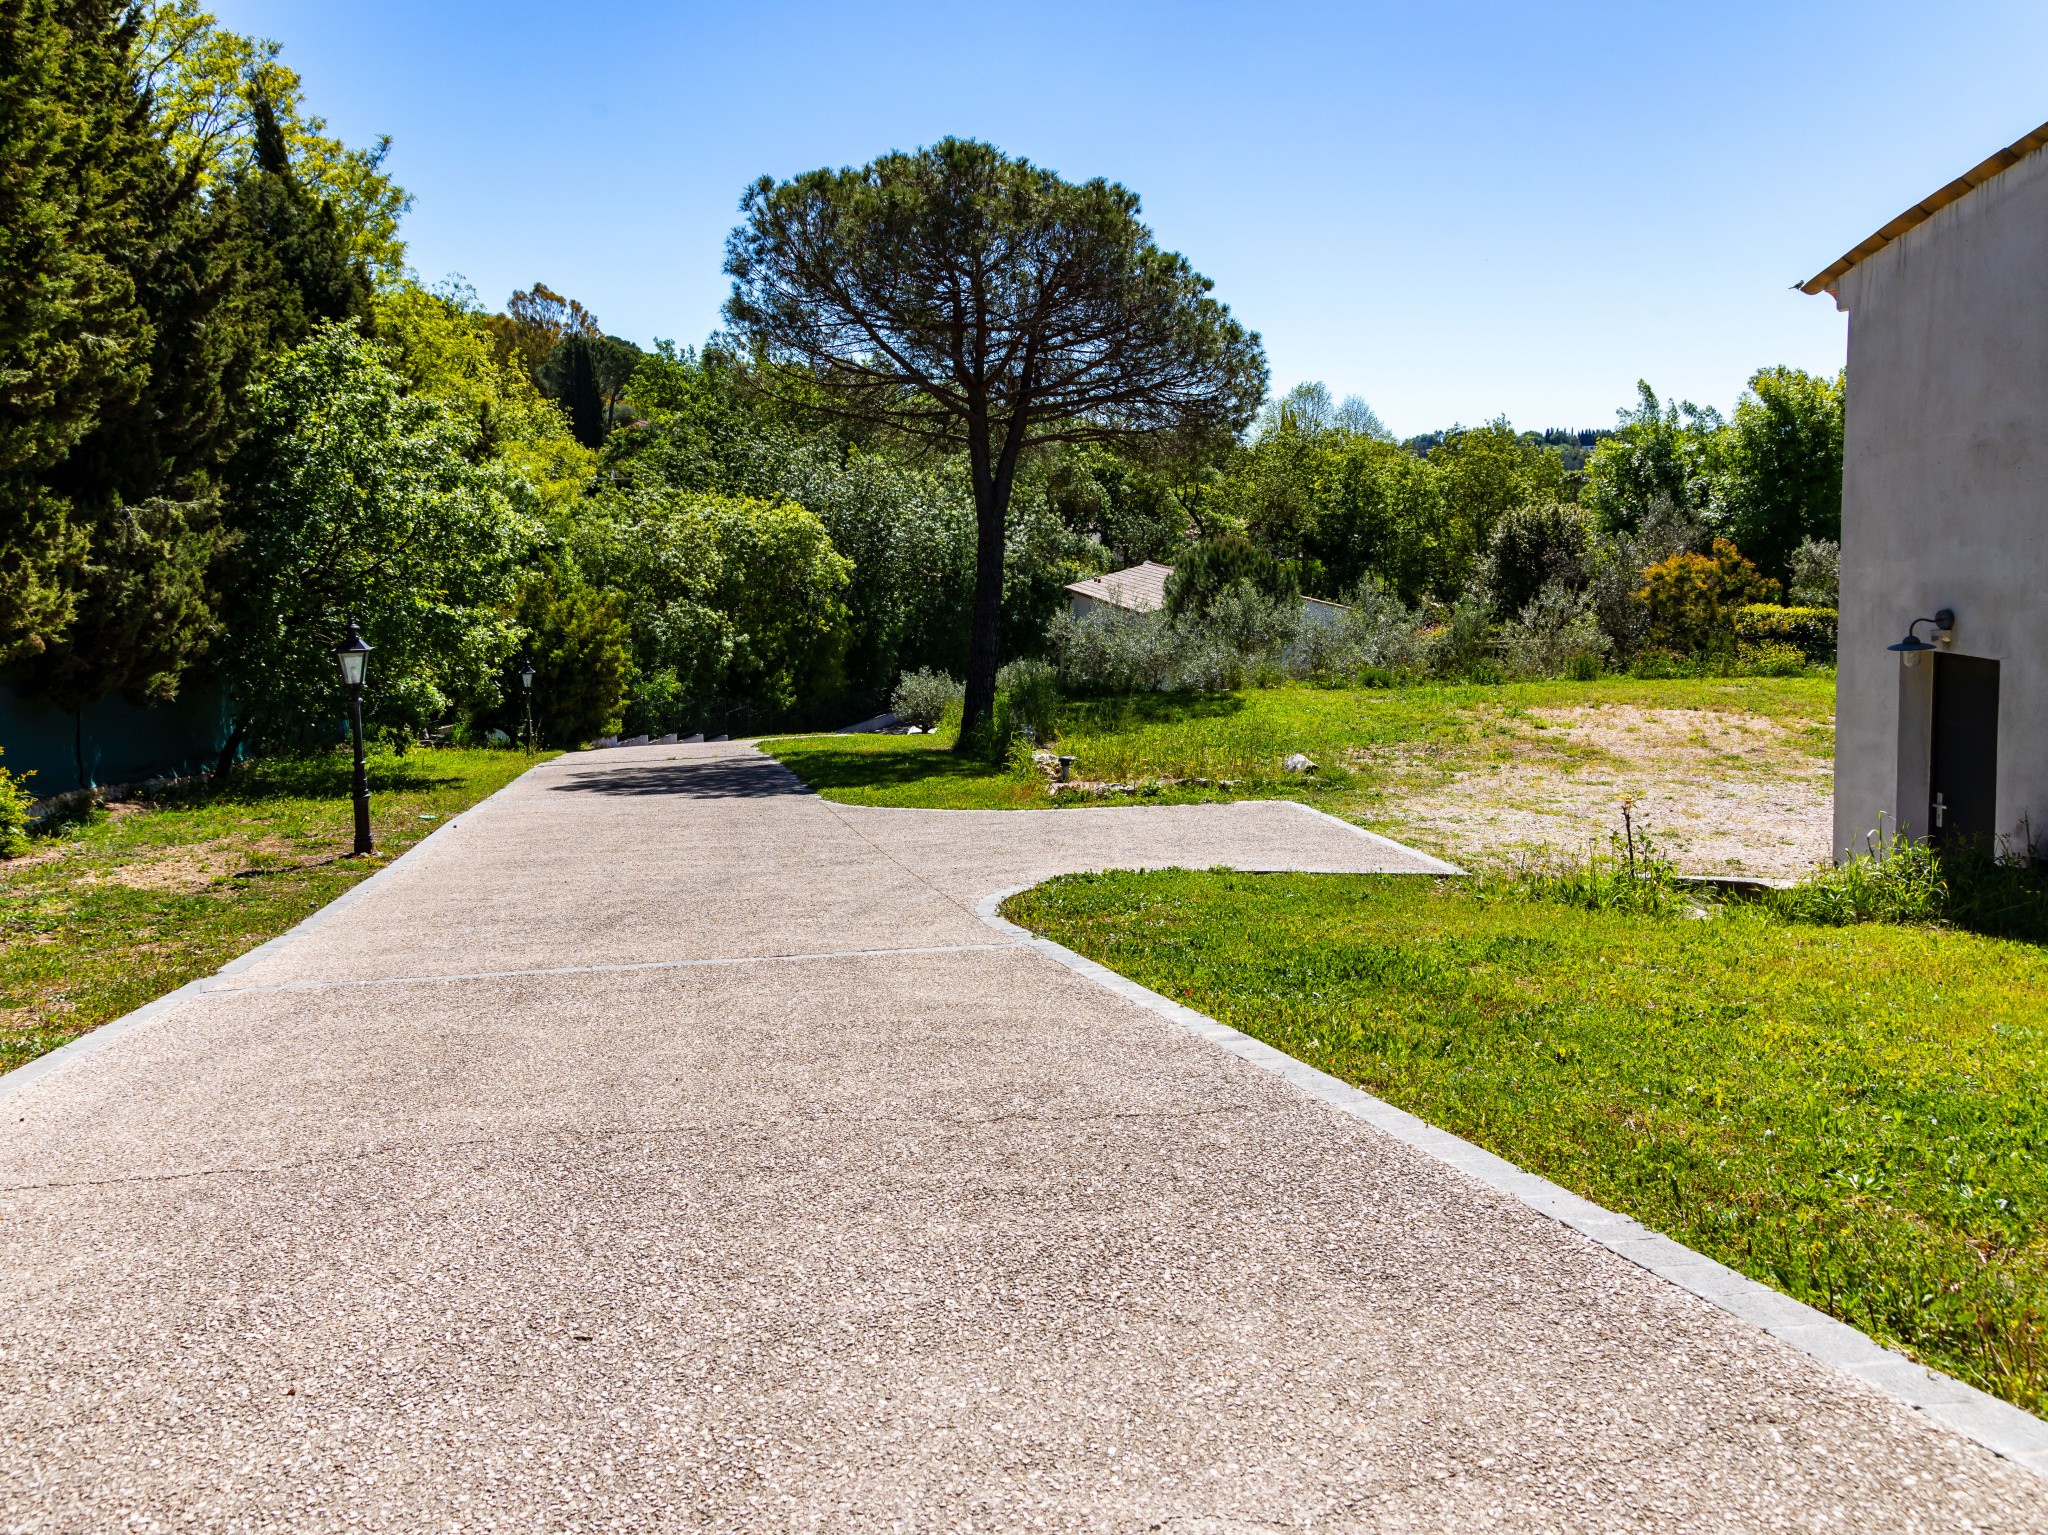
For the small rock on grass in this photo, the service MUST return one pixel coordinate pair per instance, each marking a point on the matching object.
(1298, 762)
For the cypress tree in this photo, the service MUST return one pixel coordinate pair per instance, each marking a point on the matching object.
(225, 281)
(75, 341)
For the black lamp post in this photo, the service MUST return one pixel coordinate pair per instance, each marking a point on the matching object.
(1910, 649)
(352, 655)
(526, 684)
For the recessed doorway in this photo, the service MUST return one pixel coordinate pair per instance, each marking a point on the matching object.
(1962, 781)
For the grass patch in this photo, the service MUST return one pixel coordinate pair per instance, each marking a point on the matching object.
(121, 905)
(1365, 741)
(1857, 1115)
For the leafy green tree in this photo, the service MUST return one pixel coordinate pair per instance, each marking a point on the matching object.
(908, 530)
(732, 600)
(1659, 455)
(365, 503)
(1274, 488)
(535, 320)
(1482, 474)
(443, 345)
(1779, 480)
(1126, 505)
(209, 88)
(1380, 514)
(780, 585)
(906, 522)
(968, 299)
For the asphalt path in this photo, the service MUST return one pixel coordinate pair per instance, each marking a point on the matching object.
(661, 1147)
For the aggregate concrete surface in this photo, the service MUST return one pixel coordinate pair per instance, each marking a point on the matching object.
(665, 1148)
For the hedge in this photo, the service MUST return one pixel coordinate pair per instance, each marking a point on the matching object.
(1811, 629)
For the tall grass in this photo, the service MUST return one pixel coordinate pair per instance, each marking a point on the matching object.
(1996, 890)
(1245, 751)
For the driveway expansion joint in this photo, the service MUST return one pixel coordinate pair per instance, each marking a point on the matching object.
(2005, 1430)
(213, 988)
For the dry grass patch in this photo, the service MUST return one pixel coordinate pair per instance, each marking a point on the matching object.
(1722, 792)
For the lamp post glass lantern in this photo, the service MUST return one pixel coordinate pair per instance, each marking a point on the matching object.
(526, 687)
(352, 655)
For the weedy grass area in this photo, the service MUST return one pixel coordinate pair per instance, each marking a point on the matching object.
(120, 905)
(1853, 1112)
(1403, 760)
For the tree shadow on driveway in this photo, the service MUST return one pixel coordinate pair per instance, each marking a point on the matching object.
(709, 778)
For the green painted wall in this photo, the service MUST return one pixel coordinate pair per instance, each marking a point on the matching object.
(111, 741)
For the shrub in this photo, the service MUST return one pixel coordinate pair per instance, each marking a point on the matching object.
(1112, 651)
(1771, 659)
(1210, 568)
(921, 698)
(14, 803)
(1029, 692)
(1816, 568)
(1464, 645)
(1810, 631)
(1374, 634)
(1618, 566)
(1554, 630)
(1656, 664)
(1692, 597)
(1535, 547)
(1584, 668)
(1243, 636)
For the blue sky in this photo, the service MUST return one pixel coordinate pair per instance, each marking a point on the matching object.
(1456, 211)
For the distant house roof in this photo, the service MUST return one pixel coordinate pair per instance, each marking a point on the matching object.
(1139, 589)
(1921, 212)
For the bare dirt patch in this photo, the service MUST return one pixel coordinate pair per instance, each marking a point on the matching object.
(196, 866)
(1720, 793)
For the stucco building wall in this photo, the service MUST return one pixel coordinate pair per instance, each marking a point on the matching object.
(1945, 497)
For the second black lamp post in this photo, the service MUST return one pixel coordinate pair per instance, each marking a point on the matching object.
(353, 657)
(526, 683)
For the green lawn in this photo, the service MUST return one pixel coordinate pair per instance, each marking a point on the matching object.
(1365, 741)
(1856, 1115)
(112, 911)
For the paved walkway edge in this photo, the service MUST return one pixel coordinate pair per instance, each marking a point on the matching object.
(2000, 1427)
(1436, 865)
(107, 1033)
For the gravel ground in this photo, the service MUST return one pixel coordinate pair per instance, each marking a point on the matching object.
(823, 1206)
(1719, 793)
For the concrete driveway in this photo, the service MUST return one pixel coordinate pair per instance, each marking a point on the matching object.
(663, 1148)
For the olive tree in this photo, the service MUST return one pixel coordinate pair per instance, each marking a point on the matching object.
(979, 302)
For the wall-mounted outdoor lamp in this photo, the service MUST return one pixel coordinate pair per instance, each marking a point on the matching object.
(352, 655)
(1912, 647)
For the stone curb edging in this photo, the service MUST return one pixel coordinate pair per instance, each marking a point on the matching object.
(2005, 1430)
(107, 1033)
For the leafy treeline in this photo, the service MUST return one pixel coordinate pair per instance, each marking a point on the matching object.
(1421, 517)
(231, 420)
